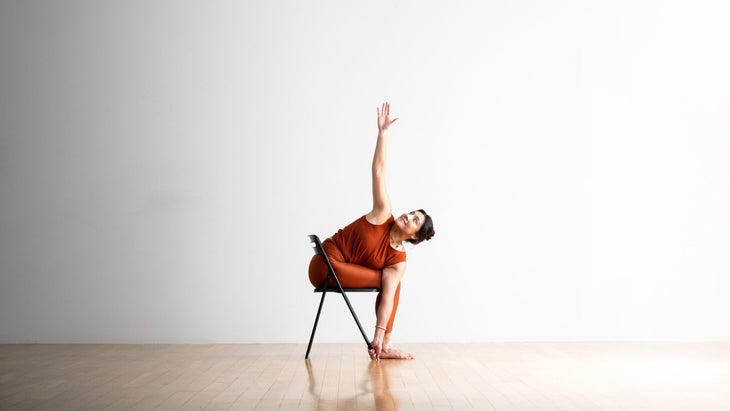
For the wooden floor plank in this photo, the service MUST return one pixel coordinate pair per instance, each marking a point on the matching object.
(489, 376)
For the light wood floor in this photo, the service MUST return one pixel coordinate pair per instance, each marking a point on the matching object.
(492, 376)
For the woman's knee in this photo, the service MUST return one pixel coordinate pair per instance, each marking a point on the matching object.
(317, 270)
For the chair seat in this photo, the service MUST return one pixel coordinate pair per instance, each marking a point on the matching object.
(347, 290)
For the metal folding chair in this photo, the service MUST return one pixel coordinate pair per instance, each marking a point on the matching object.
(326, 287)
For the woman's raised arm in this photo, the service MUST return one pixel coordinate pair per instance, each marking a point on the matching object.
(381, 201)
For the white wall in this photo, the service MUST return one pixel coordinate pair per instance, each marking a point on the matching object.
(161, 164)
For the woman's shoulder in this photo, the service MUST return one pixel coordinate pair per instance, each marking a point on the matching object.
(379, 219)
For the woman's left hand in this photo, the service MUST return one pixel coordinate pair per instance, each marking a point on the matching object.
(376, 350)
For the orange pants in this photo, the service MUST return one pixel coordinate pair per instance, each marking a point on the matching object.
(351, 276)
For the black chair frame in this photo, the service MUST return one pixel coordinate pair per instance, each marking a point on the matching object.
(325, 288)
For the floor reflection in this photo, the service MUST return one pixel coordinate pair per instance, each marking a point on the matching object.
(373, 386)
(380, 377)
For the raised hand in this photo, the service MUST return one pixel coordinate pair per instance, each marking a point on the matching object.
(384, 120)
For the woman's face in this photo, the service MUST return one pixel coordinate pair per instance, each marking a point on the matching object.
(411, 222)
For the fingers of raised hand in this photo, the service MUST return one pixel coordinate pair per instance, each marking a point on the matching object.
(384, 109)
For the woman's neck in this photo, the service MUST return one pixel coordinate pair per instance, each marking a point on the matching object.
(397, 237)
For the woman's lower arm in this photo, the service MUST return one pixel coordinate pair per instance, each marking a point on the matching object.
(380, 155)
(382, 316)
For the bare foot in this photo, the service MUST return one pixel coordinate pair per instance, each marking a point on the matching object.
(394, 353)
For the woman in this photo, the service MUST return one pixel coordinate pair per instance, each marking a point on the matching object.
(370, 252)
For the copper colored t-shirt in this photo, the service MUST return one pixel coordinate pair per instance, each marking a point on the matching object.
(364, 244)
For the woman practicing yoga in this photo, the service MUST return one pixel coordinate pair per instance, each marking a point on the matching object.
(370, 253)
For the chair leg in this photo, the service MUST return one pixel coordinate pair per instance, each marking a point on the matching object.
(316, 320)
(352, 311)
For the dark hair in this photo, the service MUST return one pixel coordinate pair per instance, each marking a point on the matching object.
(426, 231)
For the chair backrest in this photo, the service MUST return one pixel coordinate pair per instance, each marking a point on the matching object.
(317, 245)
(318, 249)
